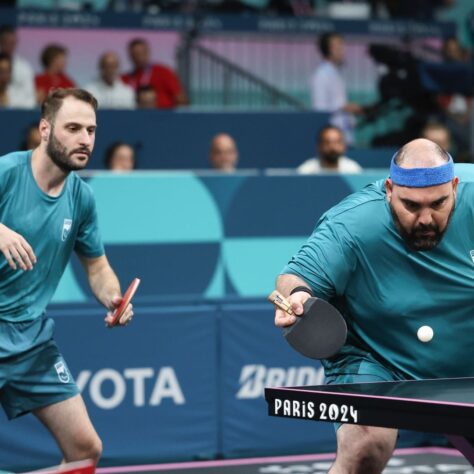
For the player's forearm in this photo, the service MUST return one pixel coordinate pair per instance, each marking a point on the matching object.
(105, 286)
(285, 283)
(102, 279)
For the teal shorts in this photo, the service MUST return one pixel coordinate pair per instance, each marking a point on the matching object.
(363, 369)
(34, 374)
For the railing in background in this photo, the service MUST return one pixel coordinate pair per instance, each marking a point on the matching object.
(212, 80)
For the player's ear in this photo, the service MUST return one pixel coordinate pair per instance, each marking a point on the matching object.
(389, 189)
(455, 186)
(44, 129)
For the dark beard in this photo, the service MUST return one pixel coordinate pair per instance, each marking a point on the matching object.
(60, 156)
(414, 238)
(332, 157)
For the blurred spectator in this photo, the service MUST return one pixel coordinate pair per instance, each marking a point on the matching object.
(456, 107)
(146, 97)
(22, 75)
(331, 148)
(223, 153)
(53, 59)
(109, 89)
(120, 157)
(164, 81)
(328, 89)
(10, 96)
(437, 133)
(32, 137)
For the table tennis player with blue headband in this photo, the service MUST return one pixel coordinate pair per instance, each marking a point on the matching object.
(320, 331)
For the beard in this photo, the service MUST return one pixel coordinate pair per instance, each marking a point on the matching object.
(61, 157)
(331, 157)
(422, 237)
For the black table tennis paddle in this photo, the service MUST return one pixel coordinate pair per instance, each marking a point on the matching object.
(319, 333)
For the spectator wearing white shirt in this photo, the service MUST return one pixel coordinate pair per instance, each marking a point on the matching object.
(22, 80)
(11, 97)
(328, 88)
(109, 89)
(331, 149)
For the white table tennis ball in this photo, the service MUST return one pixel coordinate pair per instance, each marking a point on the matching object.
(425, 334)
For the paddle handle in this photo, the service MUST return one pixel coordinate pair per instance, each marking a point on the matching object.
(280, 301)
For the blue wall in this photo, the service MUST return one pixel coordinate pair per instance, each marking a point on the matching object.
(180, 140)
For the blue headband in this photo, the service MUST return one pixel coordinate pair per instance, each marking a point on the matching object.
(421, 177)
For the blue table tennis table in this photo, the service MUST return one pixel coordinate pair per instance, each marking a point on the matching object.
(440, 406)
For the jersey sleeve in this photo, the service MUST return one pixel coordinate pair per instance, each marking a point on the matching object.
(326, 261)
(88, 241)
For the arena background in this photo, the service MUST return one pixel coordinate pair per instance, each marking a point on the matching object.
(185, 381)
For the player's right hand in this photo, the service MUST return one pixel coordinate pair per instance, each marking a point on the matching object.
(297, 300)
(16, 249)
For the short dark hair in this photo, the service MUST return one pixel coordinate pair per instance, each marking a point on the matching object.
(110, 152)
(54, 100)
(324, 41)
(324, 129)
(137, 41)
(50, 53)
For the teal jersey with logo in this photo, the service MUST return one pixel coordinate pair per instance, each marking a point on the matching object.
(357, 259)
(53, 226)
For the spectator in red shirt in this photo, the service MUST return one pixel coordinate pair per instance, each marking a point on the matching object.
(169, 92)
(53, 59)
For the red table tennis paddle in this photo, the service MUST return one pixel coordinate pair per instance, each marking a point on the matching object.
(319, 333)
(127, 297)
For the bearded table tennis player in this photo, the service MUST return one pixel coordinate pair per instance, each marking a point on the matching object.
(46, 213)
(395, 257)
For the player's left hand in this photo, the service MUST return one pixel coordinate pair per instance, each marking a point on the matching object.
(126, 316)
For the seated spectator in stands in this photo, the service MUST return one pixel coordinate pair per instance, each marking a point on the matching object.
(22, 75)
(146, 97)
(164, 81)
(331, 148)
(109, 89)
(437, 133)
(10, 96)
(223, 153)
(328, 87)
(53, 59)
(32, 137)
(120, 157)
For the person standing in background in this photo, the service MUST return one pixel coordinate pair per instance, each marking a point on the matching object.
(328, 87)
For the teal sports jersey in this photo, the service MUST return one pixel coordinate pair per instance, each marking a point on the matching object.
(357, 259)
(53, 226)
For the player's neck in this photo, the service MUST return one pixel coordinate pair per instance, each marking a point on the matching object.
(48, 176)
